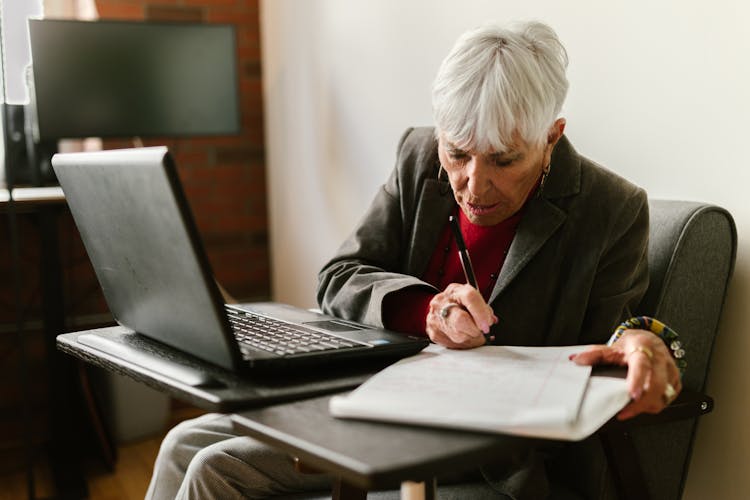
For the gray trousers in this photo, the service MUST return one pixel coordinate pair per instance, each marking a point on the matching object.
(205, 458)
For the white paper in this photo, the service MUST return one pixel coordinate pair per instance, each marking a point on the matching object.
(534, 391)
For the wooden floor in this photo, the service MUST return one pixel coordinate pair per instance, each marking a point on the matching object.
(132, 473)
(129, 481)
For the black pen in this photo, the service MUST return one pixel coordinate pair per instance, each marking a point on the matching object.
(463, 255)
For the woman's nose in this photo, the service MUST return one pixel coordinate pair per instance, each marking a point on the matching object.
(477, 172)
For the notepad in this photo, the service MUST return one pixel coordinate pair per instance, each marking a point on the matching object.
(531, 391)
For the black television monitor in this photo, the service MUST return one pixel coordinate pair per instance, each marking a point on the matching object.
(126, 79)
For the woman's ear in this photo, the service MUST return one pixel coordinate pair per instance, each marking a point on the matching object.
(554, 134)
(556, 131)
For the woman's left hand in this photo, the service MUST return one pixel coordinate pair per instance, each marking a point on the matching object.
(653, 378)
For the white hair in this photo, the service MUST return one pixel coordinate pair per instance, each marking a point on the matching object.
(500, 83)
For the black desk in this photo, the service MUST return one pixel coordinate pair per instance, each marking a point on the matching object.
(46, 204)
(370, 455)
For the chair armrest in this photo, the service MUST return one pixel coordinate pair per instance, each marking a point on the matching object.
(689, 404)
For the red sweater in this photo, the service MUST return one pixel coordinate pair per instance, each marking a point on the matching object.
(406, 310)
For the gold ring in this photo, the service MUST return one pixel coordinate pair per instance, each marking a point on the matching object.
(669, 394)
(645, 350)
(446, 309)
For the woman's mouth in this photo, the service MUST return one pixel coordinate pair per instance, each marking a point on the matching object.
(477, 209)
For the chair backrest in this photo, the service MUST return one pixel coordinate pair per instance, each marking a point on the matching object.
(692, 249)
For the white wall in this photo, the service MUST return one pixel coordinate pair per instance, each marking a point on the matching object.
(658, 93)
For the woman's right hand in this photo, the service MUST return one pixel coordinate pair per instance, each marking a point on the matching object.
(459, 317)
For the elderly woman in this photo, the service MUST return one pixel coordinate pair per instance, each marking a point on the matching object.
(558, 245)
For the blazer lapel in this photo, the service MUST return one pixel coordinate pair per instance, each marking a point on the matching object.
(541, 220)
(435, 206)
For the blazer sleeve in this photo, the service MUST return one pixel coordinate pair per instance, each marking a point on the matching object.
(368, 265)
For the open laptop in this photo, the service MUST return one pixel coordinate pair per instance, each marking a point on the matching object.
(140, 236)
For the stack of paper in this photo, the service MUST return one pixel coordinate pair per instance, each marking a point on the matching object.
(532, 391)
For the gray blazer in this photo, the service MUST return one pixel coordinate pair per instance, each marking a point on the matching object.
(576, 268)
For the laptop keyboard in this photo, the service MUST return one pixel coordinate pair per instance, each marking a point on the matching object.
(284, 339)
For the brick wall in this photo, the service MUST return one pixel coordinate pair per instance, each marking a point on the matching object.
(224, 180)
(224, 177)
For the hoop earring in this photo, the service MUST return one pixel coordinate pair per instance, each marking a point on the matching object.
(545, 173)
(442, 173)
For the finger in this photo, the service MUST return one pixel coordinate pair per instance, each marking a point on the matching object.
(481, 313)
(461, 326)
(439, 337)
(599, 354)
(474, 317)
(658, 385)
(475, 342)
(442, 328)
(651, 402)
(468, 344)
(440, 309)
(662, 353)
(442, 339)
(652, 398)
(639, 373)
(434, 330)
(631, 410)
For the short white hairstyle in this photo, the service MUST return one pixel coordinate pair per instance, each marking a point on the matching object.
(500, 83)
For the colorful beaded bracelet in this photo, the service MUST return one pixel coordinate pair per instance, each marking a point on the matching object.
(669, 336)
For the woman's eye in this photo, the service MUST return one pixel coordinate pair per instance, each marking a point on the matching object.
(458, 155)
(504, 162)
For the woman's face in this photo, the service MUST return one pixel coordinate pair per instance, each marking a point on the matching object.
(491, 186)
